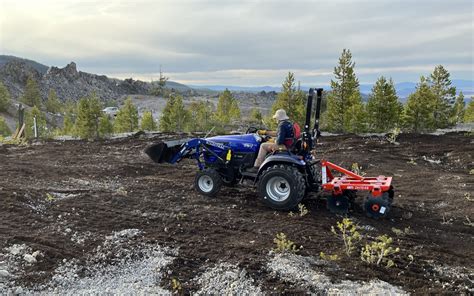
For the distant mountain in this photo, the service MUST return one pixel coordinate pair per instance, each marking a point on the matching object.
(404, 89)
(252, 89)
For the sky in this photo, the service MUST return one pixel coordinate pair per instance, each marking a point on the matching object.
(246, 43)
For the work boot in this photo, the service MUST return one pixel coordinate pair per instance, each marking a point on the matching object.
(252, 170)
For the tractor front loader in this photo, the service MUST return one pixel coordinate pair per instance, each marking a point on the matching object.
(285, 177)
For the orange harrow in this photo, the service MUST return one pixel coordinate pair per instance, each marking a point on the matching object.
(343, 190)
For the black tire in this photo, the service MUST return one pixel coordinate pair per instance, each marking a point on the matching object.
(281, 187)
(377, 207)
(208, 182)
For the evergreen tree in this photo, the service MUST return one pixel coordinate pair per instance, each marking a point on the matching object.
(127, 118)
(383, 107)
(4, 129)
(200, 114)
(53, 105)
(88, 115)
(291, 99)
(355, 119)
(458, 109)
(345, 94)
(148, 123)
(445, 93)
(4, 98)
(32, 95)
(69, 111)
(418, 114)
(227, 108)
(179, 114)
(166, 122)
(106, 128)
(256, 116)
(41, 123)
(175, 116)
(159, 89)
(469, 112)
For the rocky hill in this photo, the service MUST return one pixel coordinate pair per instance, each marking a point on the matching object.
(68, 82)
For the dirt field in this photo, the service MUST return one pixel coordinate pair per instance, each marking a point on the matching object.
(81, 204)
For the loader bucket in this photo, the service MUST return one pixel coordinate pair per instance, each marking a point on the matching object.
(163, 151)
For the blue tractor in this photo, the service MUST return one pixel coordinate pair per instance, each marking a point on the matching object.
(284, 178)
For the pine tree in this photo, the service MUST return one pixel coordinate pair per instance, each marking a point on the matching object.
(469, 112)
(106, 128)
(418, 114)
(256, 116)
(166, 122)
(32, 95)
(127, 118)
(383, 107)
(200, 116)
(4, 98)
(4, 129)
(458, 109)
(69, 111)
(88, 115)
(227, 108)
(41, 123)
(290, 99)
(53, 105)
(148, 123)
(345, 93)
(179, 114)
(159, 89)
(445, 93)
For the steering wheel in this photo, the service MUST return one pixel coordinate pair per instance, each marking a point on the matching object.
(251, 130)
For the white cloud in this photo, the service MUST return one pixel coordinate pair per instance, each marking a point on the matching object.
(206, 41)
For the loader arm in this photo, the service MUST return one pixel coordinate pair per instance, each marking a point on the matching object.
(174, 151)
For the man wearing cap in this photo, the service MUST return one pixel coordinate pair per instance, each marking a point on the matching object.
(284, 135)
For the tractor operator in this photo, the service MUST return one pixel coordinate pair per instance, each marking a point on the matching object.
(284, 138)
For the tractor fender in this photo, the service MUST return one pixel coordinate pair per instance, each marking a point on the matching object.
(283, 159)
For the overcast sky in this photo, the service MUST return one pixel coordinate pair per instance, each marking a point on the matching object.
(243, 42)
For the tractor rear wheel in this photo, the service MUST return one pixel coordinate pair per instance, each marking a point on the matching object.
(208, 182)
(281, 187)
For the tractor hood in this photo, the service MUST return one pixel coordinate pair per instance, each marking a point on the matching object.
(238, 143)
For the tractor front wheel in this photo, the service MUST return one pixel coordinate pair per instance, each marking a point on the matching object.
(208, 182)
(281, 187)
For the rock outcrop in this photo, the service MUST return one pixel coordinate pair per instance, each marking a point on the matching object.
(68, 82)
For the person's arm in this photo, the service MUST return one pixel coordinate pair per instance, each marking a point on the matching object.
(280, 140)
(271, 133)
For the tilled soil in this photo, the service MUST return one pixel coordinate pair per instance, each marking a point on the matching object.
(64, 198)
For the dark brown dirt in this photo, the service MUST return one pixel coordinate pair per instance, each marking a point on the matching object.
(112, 185)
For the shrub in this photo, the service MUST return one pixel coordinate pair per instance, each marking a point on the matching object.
(379, 252)
(283, 244)
(348, 232)
(303, 210)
